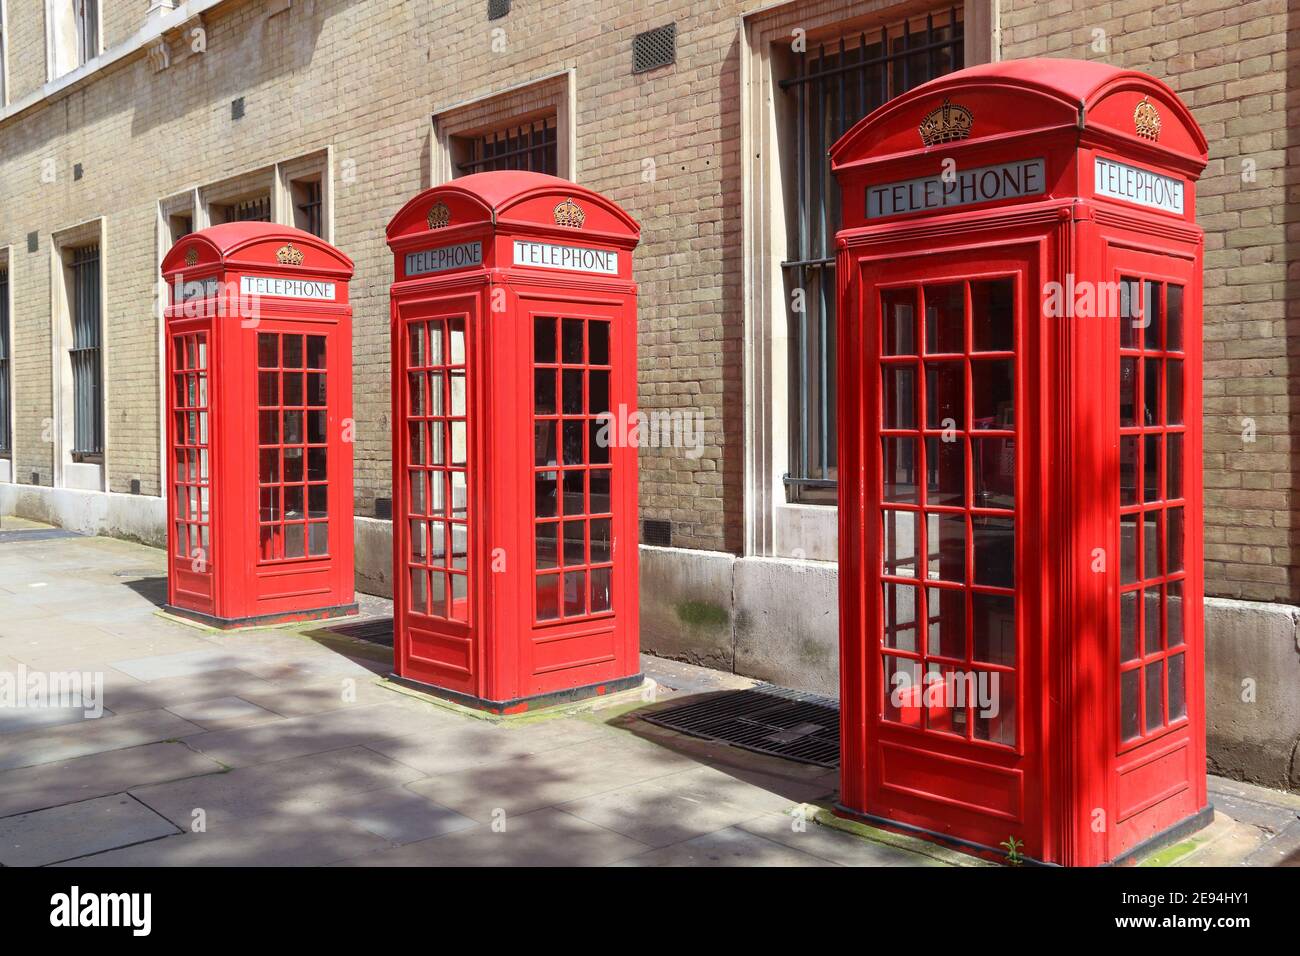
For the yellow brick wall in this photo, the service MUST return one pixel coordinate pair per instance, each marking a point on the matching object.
(1231, 63)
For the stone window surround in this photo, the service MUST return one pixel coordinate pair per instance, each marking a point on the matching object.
(7, 459)
(774, 527)
(553, 94)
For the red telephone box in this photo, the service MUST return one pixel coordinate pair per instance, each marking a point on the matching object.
(1020, 433)
(515, 482)
(259, 405)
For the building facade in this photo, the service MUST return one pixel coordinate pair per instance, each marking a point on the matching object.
(125, 124)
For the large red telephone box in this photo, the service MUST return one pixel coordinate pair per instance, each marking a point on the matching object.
(259, 405)
(1020, 490)
(515, 478)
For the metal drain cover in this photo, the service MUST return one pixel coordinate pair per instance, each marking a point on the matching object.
(765, 719)
(377, 630)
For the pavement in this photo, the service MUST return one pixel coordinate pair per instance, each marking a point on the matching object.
(284, 746)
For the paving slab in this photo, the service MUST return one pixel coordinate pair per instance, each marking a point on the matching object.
(124, 694)
(288, 787)
(399, 815)
(546, 837)
(730, 847)
(90, 737)
(222, 712)
(78, 829)
(270, 840)
(97, 775)
(657, 815)
(804, 834)
(20, 720)
(183, 664)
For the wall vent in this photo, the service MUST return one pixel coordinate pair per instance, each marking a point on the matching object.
(658, 532)
(77, 171)
(135, 486)
(33, 242)
(654, 48)
(384, 508)
(237, 109)
(498, 9)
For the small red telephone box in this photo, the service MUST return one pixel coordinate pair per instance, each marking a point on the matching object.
(1020, 432)
(515, 482)
(259, 405)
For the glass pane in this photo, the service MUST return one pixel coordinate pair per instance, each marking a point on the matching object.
(1151, 468)
(573, 503)
(1174, 318)
(437, 494)
(575, 593)
(438, 593)
(435, 394)
(316, 426)
(1155, 695)
(1128, 703)
(268, 388)
(946, 541)
(1174, 465)
(599, 444)
(268, 469)
(315, 388)
(316, 464)
(993, 393)
(268, 350)
(293, 464)
(317, 501)
(268, 430)
(415, 336)
(899, 403)
(457, 380)
(600, 490)
(548, 597)
(572, 432)
(546, 494)
(544, 391)
(292, 385)
(899, 463)
(292, 427)
(1127, 384)
(1151, 391)
(292, 353)
(435, 357)
(295, 541)
(544, 443)
(903, 698)
(900, 616)
(898, 321)
(1128, 463)
(437, 443)
(1151, 316)
(1128, 625)
(946, 612)
(1177, 687)
(1129, 312)
(995, 628)
(460, 546)
(601, 586)
(992, 327)
(945, 318)
(601, 541)
(945, 395)
(318, 537)
(293, 501)
(575, 543)
(1174, 614)
(1128, 548)
(598, 342)
(456, 356)
(419, 590)
(995, 551)
(995, 472)
(459, 443)
(941, 712)
(1174, 540)
(1151, 621)
(544, 340)
(946, 471)
(572, 392)
(900, 543)
(459, 494)
(315, 351)
(995, 722)
(438, 545)
(1174, 392)
(1151, 566)
(597, 392)
(572, 341)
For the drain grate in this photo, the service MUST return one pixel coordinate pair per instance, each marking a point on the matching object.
(377, 630)
(766, 719)
(37, 534)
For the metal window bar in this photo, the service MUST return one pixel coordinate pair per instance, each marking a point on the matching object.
(530, 146)
(310, 207)
(85, 355)
(833, 87)
(6, 446)
(86, 13)
(257, 209)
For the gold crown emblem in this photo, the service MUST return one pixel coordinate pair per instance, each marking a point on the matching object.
(439, 215)
(287, 255)
(946, 124)
(191, 256)
(1146, 119)
(569, 213)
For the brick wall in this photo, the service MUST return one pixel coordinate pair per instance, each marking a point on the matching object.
(1229, 60)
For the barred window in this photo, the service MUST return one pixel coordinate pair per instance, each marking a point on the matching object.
(251, 209)
(829, 87)
(85, 356)
(530, 145)
(308, 205)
